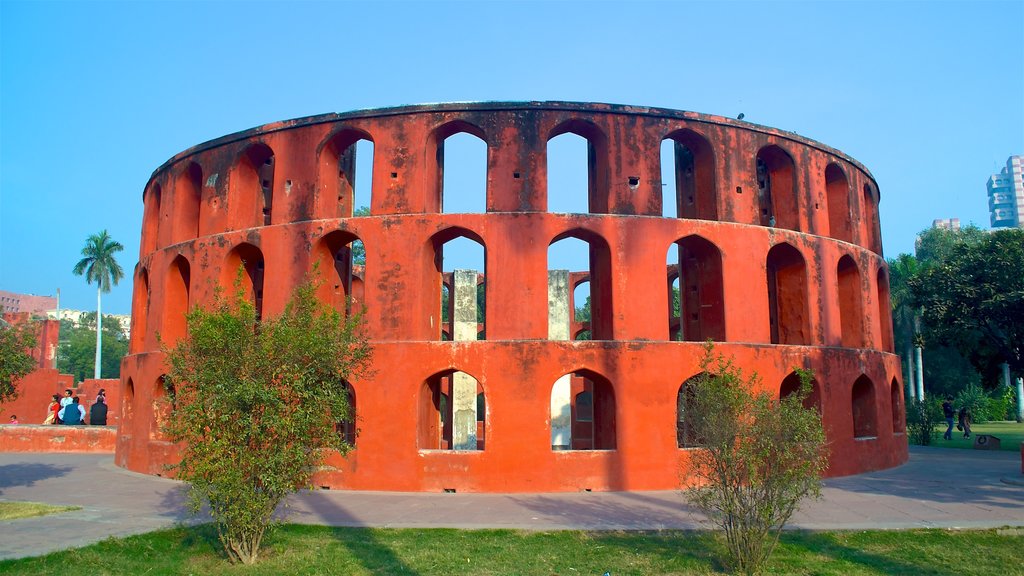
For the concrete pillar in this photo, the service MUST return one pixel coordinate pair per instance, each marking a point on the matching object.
(464, 324)
(920, 373)
(558, 329)
(1020, 399)
(911, 383)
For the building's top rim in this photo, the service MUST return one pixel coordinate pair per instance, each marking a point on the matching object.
(590, 107)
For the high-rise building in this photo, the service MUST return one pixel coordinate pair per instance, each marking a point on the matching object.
(1006, 195)
(947, 224)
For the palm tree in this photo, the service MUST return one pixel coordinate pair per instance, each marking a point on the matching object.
(100, 266)
(907, 319)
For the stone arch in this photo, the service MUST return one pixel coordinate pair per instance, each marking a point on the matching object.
(250, 259)
(851, 308)
(251, 188)
(862, 403)
(127, 405)
(336, 173)
(151, 218)
(334, 254)
(869, 220)
(884, 310)
(787, 295)
(583, 412)
(896, 404)
(466, 314)
(791, 385)
(696, 191)
(188, 196)
(448, 419)
(140, 311)
(777, 192)
(837, 192)
(686, 436)
(698, 264)
(176, 300)
(347, 427)
(597, 160)
(164, 397)
(437, 140)
(599, 275)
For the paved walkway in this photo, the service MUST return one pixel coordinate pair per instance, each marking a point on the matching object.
(936, 488)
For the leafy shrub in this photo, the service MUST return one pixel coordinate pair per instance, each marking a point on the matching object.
(922, 417)
(974, 399)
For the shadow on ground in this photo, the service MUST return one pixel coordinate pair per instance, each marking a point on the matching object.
(27, 474)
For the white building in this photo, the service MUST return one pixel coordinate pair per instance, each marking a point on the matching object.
(1006, 195)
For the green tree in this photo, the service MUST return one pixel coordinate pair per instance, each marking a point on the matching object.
(358, 250)
(16, 361)
(76, 350)
(905, 315)
(100, 266)
(255, 405)
(759, 457)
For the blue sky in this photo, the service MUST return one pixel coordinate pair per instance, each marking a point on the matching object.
(95, 96)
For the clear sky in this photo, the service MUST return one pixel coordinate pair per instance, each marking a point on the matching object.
(95, 96)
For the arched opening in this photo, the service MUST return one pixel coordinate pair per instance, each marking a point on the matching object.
(336, 256)
(164, 398)
(686, 433)
(347, 425)
(127, 406)
(176, 293)
(575, 257)
(188, 194)
(582, 412)
(693, 193)
(140, 311)
(251, 187)
(151, 218)
(791, 385)
(675, 326)
(837, 191)
(863, 408)
(340, 193)
(449, 412)
(787, 295)
(851, 313)
(776, 189)
(700, 312)
(884, 310)
(462, 168)
(579, 304)
(896, 403)
(869, 220)
(250, 259)
(459, 256)
(565, 153)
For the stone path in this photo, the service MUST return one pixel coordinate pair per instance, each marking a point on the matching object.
(937, 488)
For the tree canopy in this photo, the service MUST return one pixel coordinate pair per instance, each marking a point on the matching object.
(76, 350)
(98, 263)
(16, 361)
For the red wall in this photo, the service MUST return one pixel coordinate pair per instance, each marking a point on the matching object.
(203, 209)
(38, 438)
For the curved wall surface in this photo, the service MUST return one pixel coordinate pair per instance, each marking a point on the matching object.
(773, 245)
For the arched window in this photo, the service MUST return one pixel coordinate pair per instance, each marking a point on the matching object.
(787, 295)
(188, 194)
(449, 416)
(688, 179)
(851, 311)
(151, 219)
(582, 412)
(176, 293)
(461, 155)
(701, 309)
(869, 220)
(568, 254)
(164, 397)
(250, 258)
(686, 435)
(896, 403)
(347, 427)
(337, 254)
(837, 190)
(251, 200)
(340, 193)
(791, 385)
(564, 160)
(140, 311)
(459, 256)
(675, 325)
(884, 310)
(863, 408)
(127, 406)
(776, 189)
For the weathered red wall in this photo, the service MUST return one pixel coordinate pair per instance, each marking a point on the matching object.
(206, 203)
(36, 389)
(39, 438)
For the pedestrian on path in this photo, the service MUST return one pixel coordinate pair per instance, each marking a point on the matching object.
(965, 421)
(948, 412)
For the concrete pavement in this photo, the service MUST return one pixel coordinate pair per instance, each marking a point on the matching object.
(937, 488)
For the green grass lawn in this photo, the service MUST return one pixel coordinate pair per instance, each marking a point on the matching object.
(1010, 434)
(300, 549)
(15, 510)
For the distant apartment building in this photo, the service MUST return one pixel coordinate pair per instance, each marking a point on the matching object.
(13, 303)
(947, 224)
(1006, 195)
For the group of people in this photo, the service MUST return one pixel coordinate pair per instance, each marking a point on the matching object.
(69, 410)
(963, 419)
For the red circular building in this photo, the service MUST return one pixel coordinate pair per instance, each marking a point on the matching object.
(772, 239)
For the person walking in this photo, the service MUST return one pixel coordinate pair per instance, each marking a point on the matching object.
(965, 421)
(948, 412)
